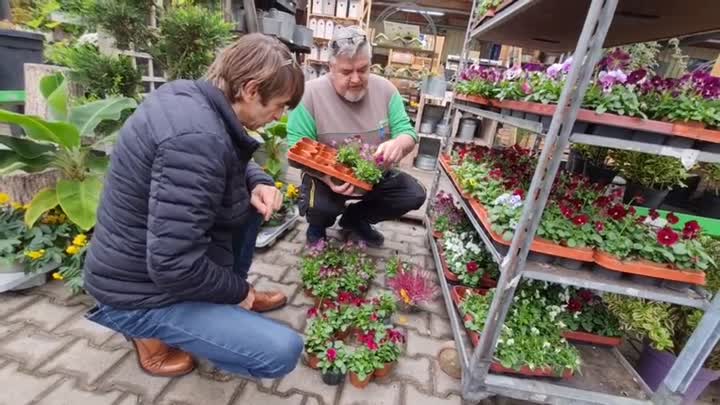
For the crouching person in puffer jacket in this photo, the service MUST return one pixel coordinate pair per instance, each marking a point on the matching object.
(180, 211)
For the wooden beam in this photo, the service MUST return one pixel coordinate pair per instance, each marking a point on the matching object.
(716, 69)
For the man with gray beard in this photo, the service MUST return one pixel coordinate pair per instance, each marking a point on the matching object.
(351, 102)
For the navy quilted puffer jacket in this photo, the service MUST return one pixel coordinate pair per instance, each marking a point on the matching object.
(178, 184)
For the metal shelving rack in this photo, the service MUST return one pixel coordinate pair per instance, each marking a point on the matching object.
(554, 25)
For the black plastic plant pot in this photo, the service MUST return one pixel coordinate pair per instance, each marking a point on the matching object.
(612, 132)
(16, 49)
(679, 142)
(651, 198)
(710, 147)
(569, 263)
(709, 205)
(575, 163)
(643, 280)
(518, 114)
(605, 273)
(680, 196)
(599, 174)
(540, 257)
(649, 137)
(332, 377)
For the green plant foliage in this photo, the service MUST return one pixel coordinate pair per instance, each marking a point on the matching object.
(189, 38)
(99, 75)
(125, 20)
(652, 171)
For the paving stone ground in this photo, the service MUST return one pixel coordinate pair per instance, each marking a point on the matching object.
(49, 354)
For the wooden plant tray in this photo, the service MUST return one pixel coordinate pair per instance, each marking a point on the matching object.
(649, 269)
(684, 130)
(314, 156)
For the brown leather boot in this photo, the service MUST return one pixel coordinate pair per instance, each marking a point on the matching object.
(158, 359)
(268, 300)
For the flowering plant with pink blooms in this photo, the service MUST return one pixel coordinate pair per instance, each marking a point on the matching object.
(334, 358)
(330, 269)
(360, 158)
(446, 214)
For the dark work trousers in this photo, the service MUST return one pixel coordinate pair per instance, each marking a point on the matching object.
(396, 194)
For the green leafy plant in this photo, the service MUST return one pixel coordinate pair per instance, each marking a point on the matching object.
(645, 319)
(327, 271)
(358, 157)
(189, 38)
(619, 100)
(363, 362)
(334, 359)
(652, 171)
(57, 144)
(274, 148)
(99, 75)
(318, 333)
(125, 20)
(41, 14)
(486, 5)
(468, 259)
(711, 175)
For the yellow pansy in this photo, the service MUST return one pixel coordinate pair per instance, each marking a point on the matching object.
(279, 184)
(57, 276)
(292, 192)
(80, 240)
(72, 249)
(16, 205)
(4, 198)
(26, 206)
(35, 254)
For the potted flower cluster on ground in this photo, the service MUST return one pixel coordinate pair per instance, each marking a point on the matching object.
(590, 219)
(614, 89)
(53, 242)
(291, 194)
(353, 335)
(359, 157)
(531, 341)
(328, 270)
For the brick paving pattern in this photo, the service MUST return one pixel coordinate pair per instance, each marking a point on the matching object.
(49, 354)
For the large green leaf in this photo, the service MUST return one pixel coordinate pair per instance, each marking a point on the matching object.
(87, 117)
(58, 103)
(43, 201)
(50, 83)
(97, 162)
(79, 200)
(11, 162)
(25, 147)
(60, 133)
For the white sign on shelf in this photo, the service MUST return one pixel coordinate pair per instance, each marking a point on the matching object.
(329, 7)
(329, 29)
(317, 6)
(342, 9)
(354, 10)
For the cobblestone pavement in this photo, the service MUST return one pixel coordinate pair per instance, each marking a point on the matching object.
(51, 355)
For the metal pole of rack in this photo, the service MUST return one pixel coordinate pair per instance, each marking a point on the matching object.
(691, 358)
(587, 54)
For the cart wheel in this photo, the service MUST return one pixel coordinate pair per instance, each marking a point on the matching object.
(449, 360)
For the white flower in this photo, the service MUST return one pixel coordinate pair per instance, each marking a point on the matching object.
(577, 314)
(535, 331)
(546, 344)
(510, 342)
(561, 325)
(537, 293)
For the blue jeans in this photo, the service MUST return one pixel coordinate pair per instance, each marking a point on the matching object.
(234, 339)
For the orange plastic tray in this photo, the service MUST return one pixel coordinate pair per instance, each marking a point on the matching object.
(497, 368)
(322, 158)
(681, 129)
(649, 269)
(591, 338)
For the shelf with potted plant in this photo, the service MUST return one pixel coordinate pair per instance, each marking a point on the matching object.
(572, 226)
(535, 25)
(595, 279)
(622, 109)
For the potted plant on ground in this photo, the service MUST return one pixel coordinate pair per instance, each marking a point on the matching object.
(388, 352)
(412, 288)
(318, 332)
(650, 177)
(333, 363)
(362, 363)
(327, 270)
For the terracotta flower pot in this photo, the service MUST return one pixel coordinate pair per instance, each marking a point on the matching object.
(313, 361)
(357, 382)
(385, 371)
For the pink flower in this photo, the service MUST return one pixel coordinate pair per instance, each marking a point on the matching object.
(672, 218)
(639, 199)
(312, 312)
(586, 295)
(617, 212)
(527, 88)
(331, 355)
(396, 336)
(574, 305)
(581, 219)
(374, 317)
(472, 267)
(519, 192)
(654, 214)
(691, 230)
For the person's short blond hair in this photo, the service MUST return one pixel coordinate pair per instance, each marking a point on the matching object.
(261, 58)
